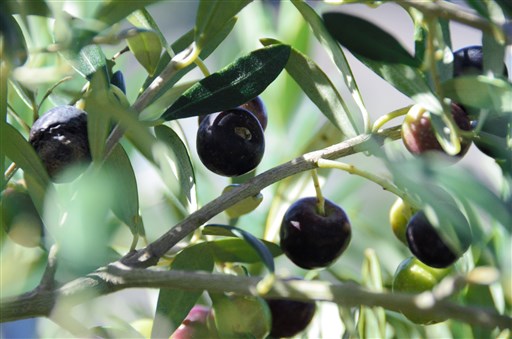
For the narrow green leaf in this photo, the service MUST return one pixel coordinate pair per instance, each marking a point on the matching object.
(239, 250)
(481, 92)
(30, 7)
(446, 133)
(126, 202)
(319, 88)
(14, 45)
(179, 46)
(257, 244)
(90, 60)
(211, 17)
(19, 151)
(333, 49)
(174, 304)
(115, 10)
(233, 85)
(146, 47)
(142, 18)
(366, 39)
(177, 164)
(408, 80)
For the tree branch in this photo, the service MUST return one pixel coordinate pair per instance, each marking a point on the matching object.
(116, 277)
(149, 256)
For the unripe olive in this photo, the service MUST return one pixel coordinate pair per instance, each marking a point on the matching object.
(399, 216)
(60, 139)
(412, 276)
(19, 217)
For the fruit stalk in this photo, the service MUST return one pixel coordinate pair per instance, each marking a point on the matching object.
(320, 201)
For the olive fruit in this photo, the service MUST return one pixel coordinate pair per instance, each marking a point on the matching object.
(412, 276)
(60, 139)
(230, 143)
(399, 216)
(256, 107)
(289, 317)
(310, 239)
(117, 80)
(195, 324)
(19, 217)
(418, 134)
(428, 246)
(469, 61)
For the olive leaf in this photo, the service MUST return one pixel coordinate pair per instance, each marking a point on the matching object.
(233, 85)
(174, 304)
(89, 60)
(211, 17)
(14, 45)
(258, 245)
(319, 88)
(113, 11)
(363, 38)
(146, 47)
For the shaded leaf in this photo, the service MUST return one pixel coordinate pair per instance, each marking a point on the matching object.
(19, 151)
(333, 49)
(481, 92)
(30, 7)
(233, 85)
(146, 47)
(363, 38)
(211, 17)
(239, 250)
(177, 165)
(126, 202)
(174, 304)
(261, 249)
(14, 45)
(115, 10)
(319, 88)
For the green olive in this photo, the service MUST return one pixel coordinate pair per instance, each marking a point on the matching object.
(399, 216)
(412, 276)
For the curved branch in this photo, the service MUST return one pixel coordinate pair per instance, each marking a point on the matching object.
(116, 277)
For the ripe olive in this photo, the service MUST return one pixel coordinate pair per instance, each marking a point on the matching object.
(289, 317)
(195, 324)
(469, 61)
(418, 134)
(60, 139)
(230, 143)
(412, 276)
(428, 246)
(19, 217)
(310, 239)
(256, 107)
(117, 80)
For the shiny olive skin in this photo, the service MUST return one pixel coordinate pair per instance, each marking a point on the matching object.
(230, 143)
(426, 244)
(469, 61)
(289, 317)
(117, 80)
(256, 107)
(412, 276)
(418, 134)
(60, 139)
(311, 240)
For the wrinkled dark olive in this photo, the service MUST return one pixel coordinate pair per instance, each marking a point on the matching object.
(230, 143)
(311, 240)
(60, 139)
